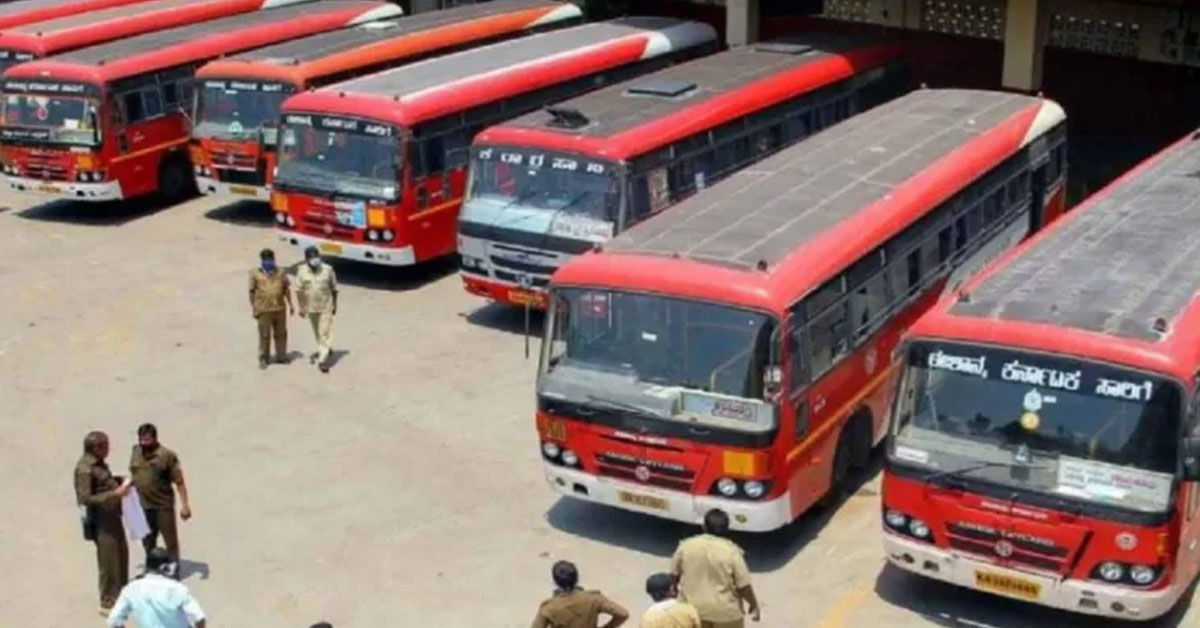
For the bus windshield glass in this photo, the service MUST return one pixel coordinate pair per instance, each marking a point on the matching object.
(60, 119)
(659, 341)
(354, 159)
(238, 110)
(579, 196)
(1058, 426)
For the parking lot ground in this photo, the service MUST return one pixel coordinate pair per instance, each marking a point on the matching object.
(402, 489)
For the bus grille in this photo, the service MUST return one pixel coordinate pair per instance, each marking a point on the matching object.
(230, 159)
(45, 170)
(1041, 555)
(623, 467)
(317, 224)
(536, 282)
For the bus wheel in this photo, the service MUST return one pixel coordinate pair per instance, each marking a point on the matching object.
(175, 180)
(839, 475)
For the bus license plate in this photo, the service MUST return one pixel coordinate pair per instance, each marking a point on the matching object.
(1008, 585)
(522, 297)
(645, 501)
(243, 189)
(332, 249)
(49, 188)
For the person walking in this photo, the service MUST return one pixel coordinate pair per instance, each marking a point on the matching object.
(713, 577)
(98, 492)
(156, 599)
(157, 475)
(667, 611)
(317, 291)
(572, 607)
(270, 303)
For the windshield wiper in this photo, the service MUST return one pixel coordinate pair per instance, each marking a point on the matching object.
(937, 475)
(621, 405)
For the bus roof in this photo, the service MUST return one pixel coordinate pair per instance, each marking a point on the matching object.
(374, 43)
(636, 117)
(770, 233)
(197, 42)
(414, 93)
(94, 27)
(1100, 280)
(26, 11)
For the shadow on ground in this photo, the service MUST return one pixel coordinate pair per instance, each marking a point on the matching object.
(507, 318)
(955, 607)
(106, 214)
(398, 279)
(243, 214)
(765, 552)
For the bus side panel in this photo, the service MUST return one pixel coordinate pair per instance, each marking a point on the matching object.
(142, 146)
(432, 229)
(1188, 555)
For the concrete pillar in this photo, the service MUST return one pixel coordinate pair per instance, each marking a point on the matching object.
(741, 22)
(1025, 31)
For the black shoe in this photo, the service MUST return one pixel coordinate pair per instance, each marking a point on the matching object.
(324, 366)
(282, 359)
(262, 363)
(312, 358)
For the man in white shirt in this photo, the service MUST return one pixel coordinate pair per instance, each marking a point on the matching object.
(157, 600)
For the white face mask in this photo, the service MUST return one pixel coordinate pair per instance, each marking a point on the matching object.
(315, 262)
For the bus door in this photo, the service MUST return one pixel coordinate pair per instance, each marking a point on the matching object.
(1037, 196)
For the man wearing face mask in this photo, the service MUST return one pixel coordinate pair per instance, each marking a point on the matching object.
(317, 290)
(154, 470)
(269, 293)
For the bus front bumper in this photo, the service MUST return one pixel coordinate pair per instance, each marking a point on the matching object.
(211, 186)
(746, 516)
(103, 191)
(382, 255)
(503, 292)
(1078, 596)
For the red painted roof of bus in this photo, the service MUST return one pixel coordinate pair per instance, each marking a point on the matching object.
(27, 11)
(1094, 282)
(811, 210)
(327, 54)
(198, 42)
(86, 29)
(421, 91)
(728, 85)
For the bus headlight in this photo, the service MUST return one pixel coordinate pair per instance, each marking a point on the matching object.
(1111, 571)
(895, 519)
(754, 489)
(372, 235)
(727, 487)
(1142, 574)
(290, 221)
(281, 218)
(570, 458)
(919, 529)
(388, 235)
(551, 450)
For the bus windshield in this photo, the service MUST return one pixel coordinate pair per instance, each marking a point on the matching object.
(236, 110)
(1048, 424)
(579, 195)
(660, 341)
(334, 162)
(68, 120)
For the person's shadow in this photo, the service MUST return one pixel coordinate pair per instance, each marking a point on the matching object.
(189, 568)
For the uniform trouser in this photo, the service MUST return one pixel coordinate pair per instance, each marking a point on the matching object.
(322, 326)
(162, 520)
(272, 324)
(112, 558)
(737, 623)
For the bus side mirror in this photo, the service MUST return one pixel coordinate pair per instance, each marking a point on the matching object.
(1191, 459)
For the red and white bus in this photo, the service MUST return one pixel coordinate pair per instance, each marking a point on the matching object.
(374, 169)
(239, 98)
(733, 352)
(18, 12)
(554, 183)
(61, 34)
(107, 122)
(1045, 440)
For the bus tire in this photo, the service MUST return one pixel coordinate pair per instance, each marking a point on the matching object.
(175, 181)
(839, 473)
(861, 424)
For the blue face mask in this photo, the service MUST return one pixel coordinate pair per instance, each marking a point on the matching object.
(268, 266)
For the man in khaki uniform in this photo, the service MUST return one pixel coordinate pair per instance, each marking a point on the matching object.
(572, 607)
(99, 493)
(316, 287)
(269, 293)
(154, 470)
(667, 612)
(713, 576)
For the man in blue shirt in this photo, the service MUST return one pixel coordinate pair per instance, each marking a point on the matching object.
(157, 600)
